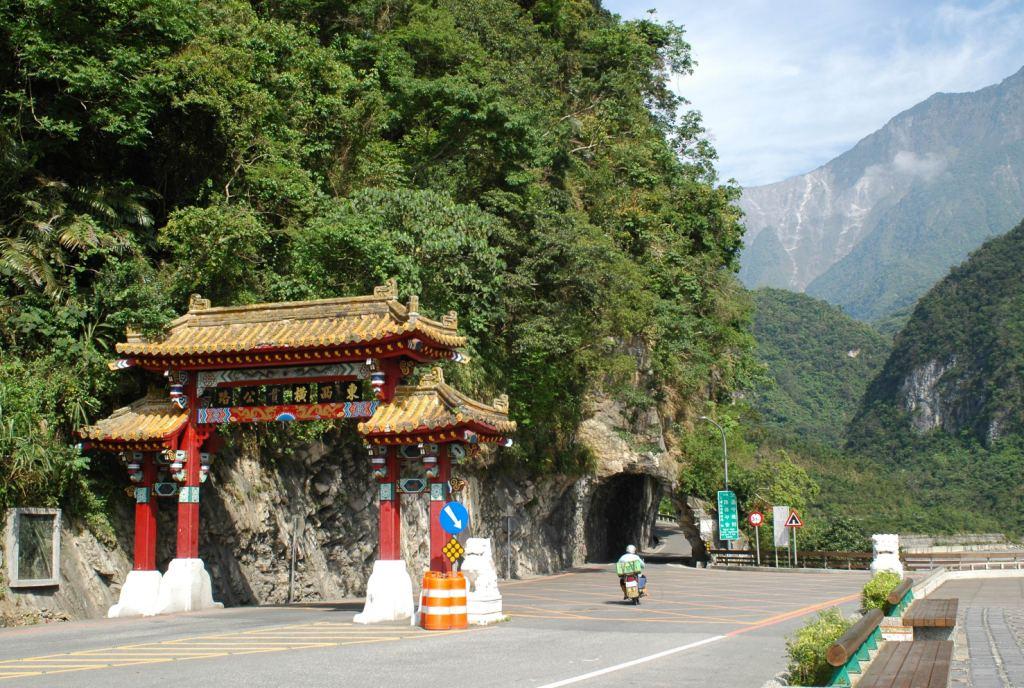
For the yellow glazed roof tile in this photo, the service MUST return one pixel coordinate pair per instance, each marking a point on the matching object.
(295, 325)
(153, 417)
(434, 405)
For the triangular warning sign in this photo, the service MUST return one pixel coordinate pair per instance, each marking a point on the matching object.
(794, 521)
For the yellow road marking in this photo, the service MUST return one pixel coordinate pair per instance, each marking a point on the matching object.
(253, 641)
(754, 611)
(797, 612)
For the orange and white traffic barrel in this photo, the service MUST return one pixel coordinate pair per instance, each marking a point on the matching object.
(435, 614)
(457, 589)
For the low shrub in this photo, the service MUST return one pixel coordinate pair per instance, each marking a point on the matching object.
(877, 589)
(807, 647)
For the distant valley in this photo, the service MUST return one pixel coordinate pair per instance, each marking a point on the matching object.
(924, 433)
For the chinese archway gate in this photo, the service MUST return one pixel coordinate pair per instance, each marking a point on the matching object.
(338, 358)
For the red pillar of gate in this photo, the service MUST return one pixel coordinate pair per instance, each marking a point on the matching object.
(188, 496)
(438, 498)
(390, 510)
(145, 518)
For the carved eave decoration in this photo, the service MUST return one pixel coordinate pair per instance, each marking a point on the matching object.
(287, 333)
(433, 411)
(148, 424)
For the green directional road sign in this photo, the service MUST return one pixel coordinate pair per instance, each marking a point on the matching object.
(728, 516)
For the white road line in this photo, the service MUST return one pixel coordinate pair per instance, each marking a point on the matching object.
(634, 662)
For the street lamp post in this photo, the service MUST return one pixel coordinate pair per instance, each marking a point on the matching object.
(725, 458)
(725, 448)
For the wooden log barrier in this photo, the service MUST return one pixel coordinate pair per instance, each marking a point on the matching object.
(900, 591)
(849, 644)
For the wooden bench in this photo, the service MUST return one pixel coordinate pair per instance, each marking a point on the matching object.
(907, 664)
(932, 613)
(918, 664)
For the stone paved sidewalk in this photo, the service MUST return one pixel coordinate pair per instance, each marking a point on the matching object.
(994, 637)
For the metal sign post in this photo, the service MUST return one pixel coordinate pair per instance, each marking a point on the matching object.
(508, 544)
(294, 550)
(756, 519)
(792, 523)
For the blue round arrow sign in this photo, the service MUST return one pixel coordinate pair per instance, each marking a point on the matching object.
(454, 518)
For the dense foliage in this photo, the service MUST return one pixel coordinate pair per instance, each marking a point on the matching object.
(808, 646)
(964, 342)
(875, 594)
(524, 163)
(893, 473)
(820, 362)
(970, 326)
(760, 475)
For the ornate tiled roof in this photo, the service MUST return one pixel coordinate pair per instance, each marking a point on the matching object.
(295, 325)
(432, 405)
(149, 419)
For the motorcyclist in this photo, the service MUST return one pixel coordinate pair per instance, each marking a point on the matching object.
(628, 558)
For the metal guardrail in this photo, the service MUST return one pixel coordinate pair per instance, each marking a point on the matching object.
(963, 561)
(811, 559)
(912, 561)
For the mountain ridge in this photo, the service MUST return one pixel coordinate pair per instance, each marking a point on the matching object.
(803, 233)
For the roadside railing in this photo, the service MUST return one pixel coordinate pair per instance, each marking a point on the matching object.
(912, 561)
(963, 561)
(811, 559)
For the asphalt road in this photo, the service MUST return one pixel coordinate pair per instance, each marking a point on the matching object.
(671, 542)
(699, 627)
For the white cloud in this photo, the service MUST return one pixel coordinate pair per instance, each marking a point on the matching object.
(909, 163)
(785, 86)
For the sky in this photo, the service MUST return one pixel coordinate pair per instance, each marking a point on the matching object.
(786, 86)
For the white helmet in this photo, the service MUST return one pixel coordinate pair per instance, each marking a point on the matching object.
(630, 549)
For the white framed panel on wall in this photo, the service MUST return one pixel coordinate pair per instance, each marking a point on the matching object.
(32, 547)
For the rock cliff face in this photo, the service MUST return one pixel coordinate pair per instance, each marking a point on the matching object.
(956, 366)
(323, 494)
(873, 229)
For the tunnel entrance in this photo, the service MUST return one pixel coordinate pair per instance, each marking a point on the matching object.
(622, 512)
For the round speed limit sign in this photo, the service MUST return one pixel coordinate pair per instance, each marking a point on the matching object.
(756, 518)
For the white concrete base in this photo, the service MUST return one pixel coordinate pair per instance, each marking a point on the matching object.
(139, 595)
(894, 630)
(388, 593)
(483, 602)
(483, 611)
(186, 588)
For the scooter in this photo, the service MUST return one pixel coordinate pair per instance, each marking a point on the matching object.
(635, 585)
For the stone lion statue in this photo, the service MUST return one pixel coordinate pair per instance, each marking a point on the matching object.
(478, 567)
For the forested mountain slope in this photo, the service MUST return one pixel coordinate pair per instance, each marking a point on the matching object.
(947, 411)
(958, 364)
(820, 362)
(875, 228)
(519, 162)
